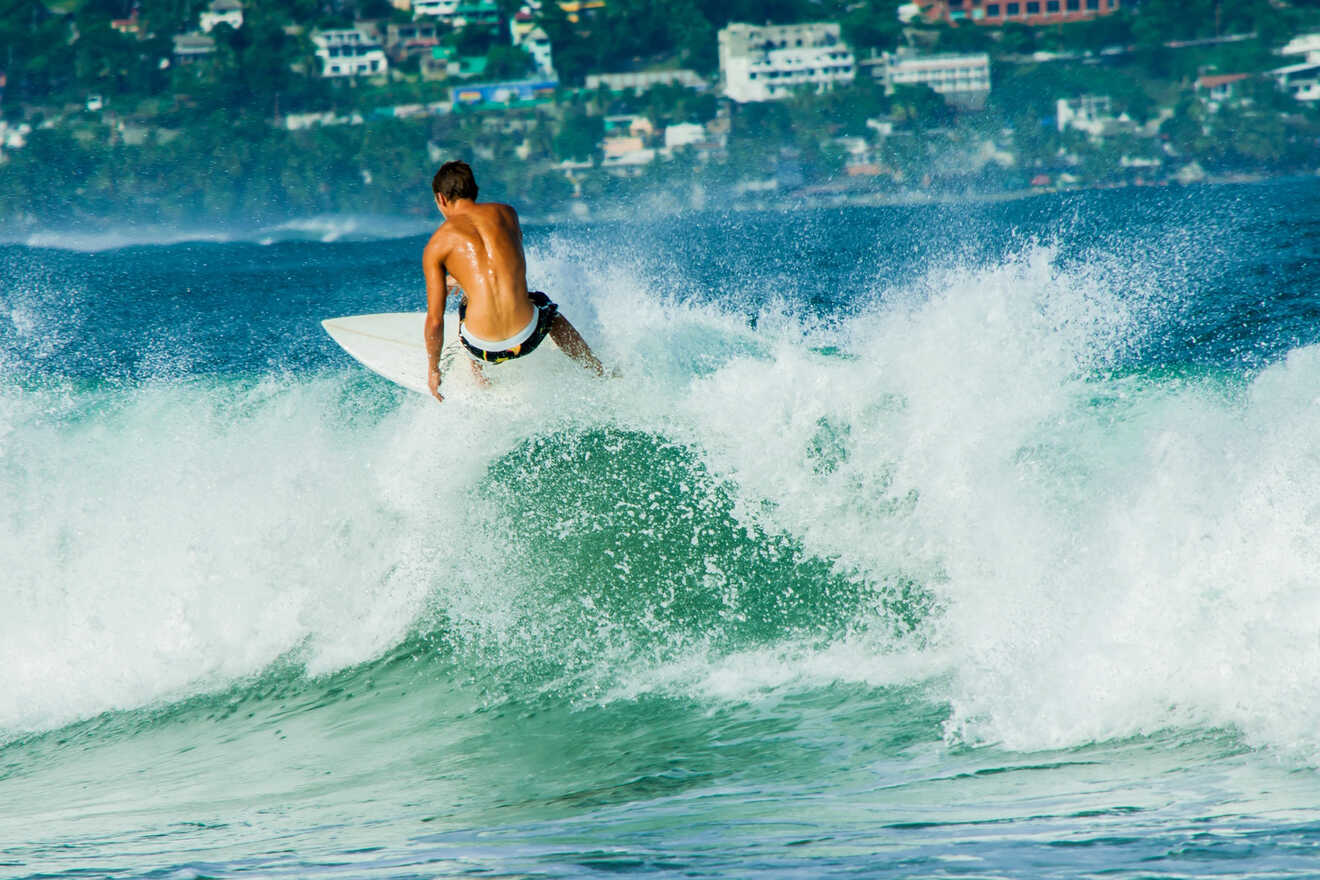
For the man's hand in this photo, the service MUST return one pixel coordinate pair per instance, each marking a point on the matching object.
(433, 383)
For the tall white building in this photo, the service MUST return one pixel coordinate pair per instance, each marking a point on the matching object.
(349, 52)
(962, 80)
(764, 62)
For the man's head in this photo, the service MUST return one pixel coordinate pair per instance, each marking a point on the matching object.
(452, 182)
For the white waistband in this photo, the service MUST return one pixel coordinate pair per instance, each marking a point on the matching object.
(505, 344)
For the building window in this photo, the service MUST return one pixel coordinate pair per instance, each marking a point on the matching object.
(955, 4)
(1033, 8)
(1013, 9)
(1092, 5)
(1052, 6)
(992, 10)
(1074, 5)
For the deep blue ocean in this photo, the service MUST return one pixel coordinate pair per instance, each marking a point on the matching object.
(931, 541)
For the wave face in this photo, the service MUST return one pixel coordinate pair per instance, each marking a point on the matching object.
(980, 538)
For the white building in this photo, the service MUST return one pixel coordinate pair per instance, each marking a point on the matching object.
(1307, 45)
(962, 80)
(228, 12)
(459, 13)
(1302, 81)
(349, 52)
(760, 63)
(640, 81)
(1093, 114)
(14, 137)
(536, 44)
(444, 9)
(191, 47)
(1218, 89)
(684, 134)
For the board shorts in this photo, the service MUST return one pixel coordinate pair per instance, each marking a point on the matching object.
(524, 342)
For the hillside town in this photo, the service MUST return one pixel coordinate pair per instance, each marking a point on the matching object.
(579, 102)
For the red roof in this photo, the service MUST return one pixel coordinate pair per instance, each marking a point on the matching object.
(1222, 79)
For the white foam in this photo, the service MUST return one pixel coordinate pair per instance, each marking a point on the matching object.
(1109, 554)
(182, 536)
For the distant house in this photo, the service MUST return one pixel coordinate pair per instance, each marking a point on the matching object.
(442, 9)
(1218, 89)
(1306, 45)
(459, 13)
(13, 136)
(962, 80)
(1092, 114)
(629, 125)
(218, 12)
(189, 48)
(349, 52)
(627, 156)
(410, 38)
(443, 62)
(467, 66)
(766, 62)
(537, 44)
(435, 64)
(640, 81)
(620, 145)
(476, 13)
(129, 25)
(1302, 81)
(576, 10)
(683, 134)
(1029, 12)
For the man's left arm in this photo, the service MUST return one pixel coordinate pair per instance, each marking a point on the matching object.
(437, 293)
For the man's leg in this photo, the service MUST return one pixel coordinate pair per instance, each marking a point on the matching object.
(571, 343)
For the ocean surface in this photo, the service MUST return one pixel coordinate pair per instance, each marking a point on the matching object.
(939, 541)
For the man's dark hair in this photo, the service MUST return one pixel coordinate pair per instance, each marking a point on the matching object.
(454, 180)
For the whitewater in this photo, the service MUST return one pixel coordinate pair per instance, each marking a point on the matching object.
(975, 541)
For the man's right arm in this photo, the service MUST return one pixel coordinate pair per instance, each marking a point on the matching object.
(437, 292)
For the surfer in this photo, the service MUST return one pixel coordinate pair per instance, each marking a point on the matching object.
(479, 250)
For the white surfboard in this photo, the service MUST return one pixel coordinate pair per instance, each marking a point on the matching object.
(392, 345)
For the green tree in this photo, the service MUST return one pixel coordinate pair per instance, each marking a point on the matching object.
(508, 62)
(579, 135)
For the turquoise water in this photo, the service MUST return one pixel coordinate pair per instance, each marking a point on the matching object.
(926, 542)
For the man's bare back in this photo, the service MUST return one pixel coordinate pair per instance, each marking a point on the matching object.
(479, 249)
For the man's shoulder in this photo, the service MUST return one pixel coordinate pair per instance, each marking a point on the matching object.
(444, 236)
(506, 211)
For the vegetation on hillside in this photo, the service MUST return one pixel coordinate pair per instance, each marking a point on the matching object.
(206, 145)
